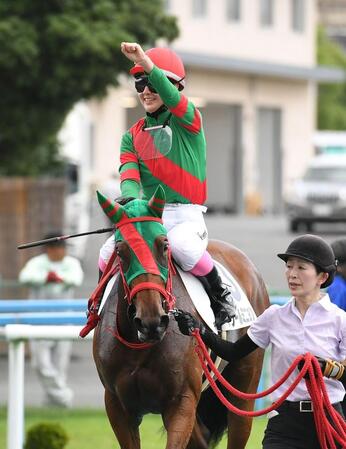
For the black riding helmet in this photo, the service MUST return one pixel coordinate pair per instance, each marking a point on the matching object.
(315, 250)
(339, 248)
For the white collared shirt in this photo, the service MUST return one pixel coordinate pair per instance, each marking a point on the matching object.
(322, 332)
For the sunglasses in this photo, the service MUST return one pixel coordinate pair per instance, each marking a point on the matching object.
(142, 82)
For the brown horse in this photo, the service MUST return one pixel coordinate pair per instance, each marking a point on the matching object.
(164, 375)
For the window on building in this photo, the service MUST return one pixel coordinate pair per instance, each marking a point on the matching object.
(267, 12)
(298, 15)
(233, 10)
(199, 8)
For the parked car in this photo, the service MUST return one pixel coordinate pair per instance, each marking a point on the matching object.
(320, 196)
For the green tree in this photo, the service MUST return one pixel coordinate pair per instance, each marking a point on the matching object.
(55, 53)
(331, 97)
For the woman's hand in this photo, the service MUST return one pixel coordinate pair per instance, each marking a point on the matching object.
(329, 368)
(186, 322)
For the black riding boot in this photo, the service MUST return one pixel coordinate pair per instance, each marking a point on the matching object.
(221, 300)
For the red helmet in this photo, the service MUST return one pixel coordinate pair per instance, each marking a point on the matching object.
(168, 61)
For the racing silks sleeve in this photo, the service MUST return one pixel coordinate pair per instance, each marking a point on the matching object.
(129, 168)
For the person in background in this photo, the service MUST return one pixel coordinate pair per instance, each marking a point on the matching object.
(337, 290)
(52, 275)
(295, 328)
(167, 147)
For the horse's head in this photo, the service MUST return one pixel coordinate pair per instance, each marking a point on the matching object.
(142, 248)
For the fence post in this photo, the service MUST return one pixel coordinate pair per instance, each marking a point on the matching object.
(15, 418)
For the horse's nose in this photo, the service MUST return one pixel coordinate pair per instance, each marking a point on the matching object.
(152, 329)
(164, 321)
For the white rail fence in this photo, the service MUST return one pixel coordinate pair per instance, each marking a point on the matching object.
(16, 335)
(38, 319)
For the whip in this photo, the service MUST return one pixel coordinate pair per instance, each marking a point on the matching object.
(63, 237)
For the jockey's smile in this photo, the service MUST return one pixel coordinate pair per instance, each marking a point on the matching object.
(151, 102)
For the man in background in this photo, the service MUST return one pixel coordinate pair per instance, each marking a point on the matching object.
(52, 275)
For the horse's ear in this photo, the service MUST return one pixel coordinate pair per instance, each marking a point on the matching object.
(114, 211)
(158, 200)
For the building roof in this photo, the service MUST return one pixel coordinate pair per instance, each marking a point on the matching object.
(320, 74)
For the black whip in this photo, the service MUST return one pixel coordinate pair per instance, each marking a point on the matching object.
(63, 237)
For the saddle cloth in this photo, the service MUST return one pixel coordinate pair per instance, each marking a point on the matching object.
(245, 313)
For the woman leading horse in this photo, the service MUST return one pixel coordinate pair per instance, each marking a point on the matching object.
(145, 364)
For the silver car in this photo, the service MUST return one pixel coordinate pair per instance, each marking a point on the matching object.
(320, 196)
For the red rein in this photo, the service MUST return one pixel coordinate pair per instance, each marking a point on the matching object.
(327, 433)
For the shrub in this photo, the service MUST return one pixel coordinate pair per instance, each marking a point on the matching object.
(46, 436)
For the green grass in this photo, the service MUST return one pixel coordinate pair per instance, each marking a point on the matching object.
(89, 429)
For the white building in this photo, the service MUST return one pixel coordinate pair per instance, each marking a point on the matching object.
(251, 69)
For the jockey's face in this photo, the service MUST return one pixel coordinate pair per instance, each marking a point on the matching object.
(150, 101)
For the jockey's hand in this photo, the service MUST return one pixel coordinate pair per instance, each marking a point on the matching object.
(330, 368)
(122, 200)
(187, 323)
(132, 51)
(135, 53)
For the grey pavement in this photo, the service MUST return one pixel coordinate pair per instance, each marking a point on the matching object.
(261, 238)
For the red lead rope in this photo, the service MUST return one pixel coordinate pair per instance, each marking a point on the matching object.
(328, 431)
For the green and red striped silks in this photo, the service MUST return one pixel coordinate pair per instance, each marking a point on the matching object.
(139, 235)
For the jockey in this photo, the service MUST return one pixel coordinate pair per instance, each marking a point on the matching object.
(168, 147)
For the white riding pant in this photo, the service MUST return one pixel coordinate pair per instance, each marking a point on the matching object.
(186, 231)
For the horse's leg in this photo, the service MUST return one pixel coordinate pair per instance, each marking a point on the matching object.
(124, 427)
(179, 420)
(239, 427)
(245, 377)
(197, 439)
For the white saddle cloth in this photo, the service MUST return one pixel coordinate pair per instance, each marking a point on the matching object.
(245, 314)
